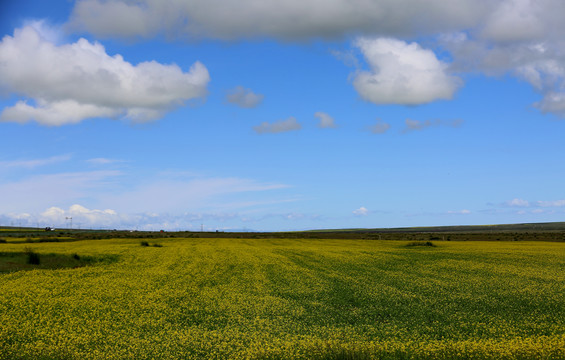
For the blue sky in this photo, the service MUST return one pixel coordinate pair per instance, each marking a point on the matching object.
(290, 115)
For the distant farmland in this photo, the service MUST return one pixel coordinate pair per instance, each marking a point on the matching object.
(163, 296)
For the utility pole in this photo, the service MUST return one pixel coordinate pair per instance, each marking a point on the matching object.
(70, 218)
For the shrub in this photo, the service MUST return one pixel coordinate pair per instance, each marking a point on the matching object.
(3, 241)
(32, 257)
(76, 257)
(157, 245)
(46, 239)
(144, 243)
(420, 243)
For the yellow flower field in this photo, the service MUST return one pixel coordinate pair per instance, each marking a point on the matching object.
(288, 299)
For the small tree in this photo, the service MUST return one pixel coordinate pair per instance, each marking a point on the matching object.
(32, 257)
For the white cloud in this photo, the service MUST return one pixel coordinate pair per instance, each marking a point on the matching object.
(553, 102)
(553, 203)
(524, 20)
(513, 20)
(326, 121)
(523, 38)
(540, 63)
(34, 163)
(518, 203)
(53, 213)
(107, 18)
(103, 161)
(79, 216)
(42, 191)
(291, 19)
(289, 124)
(127, 192)
(521, 203)
(492, 37)
(402, 73)
(362, 211)
(46, 31)
(83, 218)
(380, 127)
(459, 212)
(69, 83)
(103, 199)
(243, 97)
(168, 194)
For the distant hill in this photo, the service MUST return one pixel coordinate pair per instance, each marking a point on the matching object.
(527, 227)
(553, 231)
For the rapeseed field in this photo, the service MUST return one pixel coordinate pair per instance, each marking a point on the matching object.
(288, 299)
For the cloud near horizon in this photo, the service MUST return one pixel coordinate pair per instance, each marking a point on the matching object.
(521, 203)
(51, 81)
(85, 218)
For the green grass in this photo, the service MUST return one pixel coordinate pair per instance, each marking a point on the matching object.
(288, 299)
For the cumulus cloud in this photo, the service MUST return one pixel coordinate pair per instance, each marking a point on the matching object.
(243, 97)
(65, 84)
(402, 73)
(291, 19)
(326, 121)
(380, 127)
(362, 211)
(289, 124)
